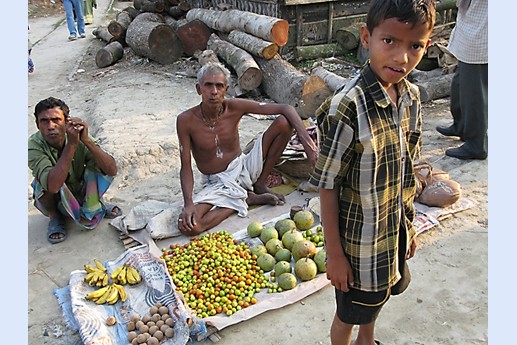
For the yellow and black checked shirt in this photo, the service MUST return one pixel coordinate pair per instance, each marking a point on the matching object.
(362, 155)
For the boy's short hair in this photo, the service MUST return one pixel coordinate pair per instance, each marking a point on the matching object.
(213, 67)
(49, 103)
(412, 11)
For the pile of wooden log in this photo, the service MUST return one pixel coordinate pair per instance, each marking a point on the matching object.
(248, 43)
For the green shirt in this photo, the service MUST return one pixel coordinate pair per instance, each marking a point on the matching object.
(42, 158)
(367, 146)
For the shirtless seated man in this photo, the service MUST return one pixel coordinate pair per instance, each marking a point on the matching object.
(232, 180)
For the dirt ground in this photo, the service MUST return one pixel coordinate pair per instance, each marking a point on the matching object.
(131, 108)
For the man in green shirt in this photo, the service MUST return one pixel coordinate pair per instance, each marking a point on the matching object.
(71, 172)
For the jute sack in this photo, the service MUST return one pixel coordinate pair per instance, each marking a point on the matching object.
(440, 193)
(434, 186)
(426, 174)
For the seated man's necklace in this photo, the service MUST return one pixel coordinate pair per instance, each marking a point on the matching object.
(211, 125)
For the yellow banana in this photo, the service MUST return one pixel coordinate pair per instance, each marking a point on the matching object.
(104, 297)
(97, 293)
(116, 272)
(133, 273)
(131, 279)
(121, 291)
(99, 265)
(114, 295)
(137, 275)
(89, 268)
(88, 277)
(105, 279)
(122, 276)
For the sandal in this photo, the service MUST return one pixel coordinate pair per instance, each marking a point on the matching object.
(112, 211)
(56, 226)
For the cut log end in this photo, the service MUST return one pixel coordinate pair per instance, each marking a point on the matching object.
(165, 45)
(270, 51)
(108, 55)
(116, 29)
(279, 32)
(250, 79)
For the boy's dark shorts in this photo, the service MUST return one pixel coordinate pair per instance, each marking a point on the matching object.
(357, 307)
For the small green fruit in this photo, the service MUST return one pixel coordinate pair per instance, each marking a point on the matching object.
(304, 219)
(283, 254)
(268, 233)
(282, 267)
(266, 262)
(321, 260)
(305, 269)
(254, 229)
(287, 281)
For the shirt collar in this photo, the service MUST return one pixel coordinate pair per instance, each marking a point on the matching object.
(406, 94)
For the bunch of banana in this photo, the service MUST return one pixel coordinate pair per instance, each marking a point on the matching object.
(96, 275)
(126, 274)
(108, 294)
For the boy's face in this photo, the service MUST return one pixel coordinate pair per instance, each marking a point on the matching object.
(395, 48)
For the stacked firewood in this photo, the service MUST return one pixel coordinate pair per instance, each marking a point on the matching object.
(248, 43)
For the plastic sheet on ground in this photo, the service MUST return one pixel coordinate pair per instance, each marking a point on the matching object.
(267, 301)
(156, 286)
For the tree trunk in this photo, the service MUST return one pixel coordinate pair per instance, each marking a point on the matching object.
(118, 27)
(149, 36)
(332, 80)
(253, 44)
(194, 36)
(173, 23)
(317, 51)
(156, 6)
(102, 33)
(176, 12)
(268, 28)
(108, 55)
(248, 72)
(434, 88)
(137, 4)
(206, 56)
(285, 84)
(133, 12)
(349, 38)
(281, 81)
(314, 92)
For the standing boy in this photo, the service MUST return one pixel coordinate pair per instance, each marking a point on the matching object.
(370, 136)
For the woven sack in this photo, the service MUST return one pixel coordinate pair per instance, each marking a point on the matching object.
(426, 174)
(441, 193)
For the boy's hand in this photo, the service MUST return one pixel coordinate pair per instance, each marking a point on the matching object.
(339, 272)
(412, 248)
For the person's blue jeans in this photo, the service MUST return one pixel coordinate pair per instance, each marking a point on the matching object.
(70, 6)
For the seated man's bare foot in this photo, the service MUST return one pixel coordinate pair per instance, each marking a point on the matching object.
(264, 199)
(263, 189)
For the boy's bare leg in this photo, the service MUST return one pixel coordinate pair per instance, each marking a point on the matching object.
(274, 141)
(365, 336)
(340, 332)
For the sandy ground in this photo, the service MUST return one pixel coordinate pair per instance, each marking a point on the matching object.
(131, 108)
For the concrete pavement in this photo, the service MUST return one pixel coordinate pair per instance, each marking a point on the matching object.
(49, 266)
